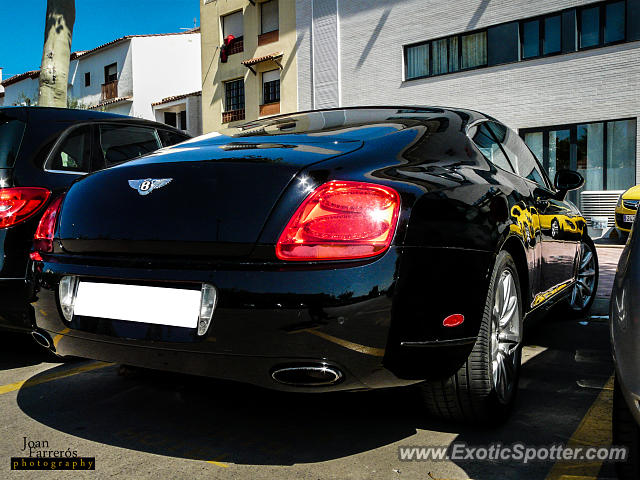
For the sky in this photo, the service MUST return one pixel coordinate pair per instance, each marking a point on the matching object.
(97, 22)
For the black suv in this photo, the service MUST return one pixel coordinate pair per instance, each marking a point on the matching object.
(42, 151)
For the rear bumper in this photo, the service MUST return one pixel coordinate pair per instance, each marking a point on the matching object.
(355, 317)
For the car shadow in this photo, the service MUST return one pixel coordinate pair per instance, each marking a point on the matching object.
(20, 350)
(203, 419)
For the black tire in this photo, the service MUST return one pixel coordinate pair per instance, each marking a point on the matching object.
(582, 311)
(469, 396)
(625, 433)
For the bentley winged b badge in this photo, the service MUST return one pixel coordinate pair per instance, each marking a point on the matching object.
(146, 185)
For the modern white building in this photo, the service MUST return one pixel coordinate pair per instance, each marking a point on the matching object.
(565, 74)
(126, 76)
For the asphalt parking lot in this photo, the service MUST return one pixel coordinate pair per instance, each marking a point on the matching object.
(149, 425)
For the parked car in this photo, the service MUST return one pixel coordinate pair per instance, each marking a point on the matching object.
(42, 151)
(626, 210)
(625, 344)
(328, 250)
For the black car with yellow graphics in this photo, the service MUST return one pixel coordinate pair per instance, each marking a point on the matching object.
(42, 151)
(328, 250)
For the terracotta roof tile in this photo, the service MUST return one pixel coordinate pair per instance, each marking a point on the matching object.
(264, 58)
(176, 97)
(111, 101)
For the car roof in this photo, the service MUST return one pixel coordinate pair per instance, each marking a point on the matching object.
(71, 115)
(325, 120)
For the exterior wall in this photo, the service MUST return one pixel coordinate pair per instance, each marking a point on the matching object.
(593, 85)
(191, 104)
(163, 66)
(15, 93)
(94, 63)
(214, 73)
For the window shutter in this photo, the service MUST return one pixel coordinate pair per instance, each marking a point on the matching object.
(269, 16)
(270, 76)
(232, 25)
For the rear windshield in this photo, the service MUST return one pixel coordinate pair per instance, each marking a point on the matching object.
(11, 131)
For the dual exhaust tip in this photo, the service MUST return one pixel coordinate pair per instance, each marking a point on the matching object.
(312, 375)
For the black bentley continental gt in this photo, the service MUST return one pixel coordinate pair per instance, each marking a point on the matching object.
(341, 249)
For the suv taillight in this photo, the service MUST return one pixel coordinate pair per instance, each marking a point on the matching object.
(341, 220)
(19, 203)
(43, 239)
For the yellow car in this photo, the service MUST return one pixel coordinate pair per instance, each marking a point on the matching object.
(627, 208)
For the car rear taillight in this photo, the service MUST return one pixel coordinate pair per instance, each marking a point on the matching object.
(341, 220)
(43, 239)
(19, 203)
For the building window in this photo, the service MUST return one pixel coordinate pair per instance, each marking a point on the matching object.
(87, 79)
(269, 16)
(603, 152)
(183, 120)
(602, 24)
(170, 119)
(417, 58)
(614, 22)
(594, 25)
(233, 101)
(111, 73)
(552, 38)
(474, 50)
(232, 24)
(589, 27)
(531, 39)
(271, 86)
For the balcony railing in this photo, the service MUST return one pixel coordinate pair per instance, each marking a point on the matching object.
(237, 46)
(268, 37)
(109, 90)
(232, 116)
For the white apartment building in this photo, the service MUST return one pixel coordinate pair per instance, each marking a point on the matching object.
(127, 76)
(565, 74)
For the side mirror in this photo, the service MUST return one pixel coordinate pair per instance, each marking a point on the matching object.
(567, 180)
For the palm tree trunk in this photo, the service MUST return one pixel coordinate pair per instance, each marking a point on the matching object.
(54, 69)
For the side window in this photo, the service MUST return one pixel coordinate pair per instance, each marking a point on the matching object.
(169, 138)
(74, 154)
(524, 163)
(120, 143)
(490, 147)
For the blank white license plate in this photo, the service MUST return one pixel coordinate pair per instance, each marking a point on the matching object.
(629, 218)
(157, 305)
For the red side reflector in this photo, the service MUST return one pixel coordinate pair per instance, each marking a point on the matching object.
(19, 203)
(43, 239)
(341, 220)
(35, 256)
(453, 320)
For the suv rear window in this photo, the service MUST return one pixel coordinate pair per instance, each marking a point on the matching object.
(11, 132)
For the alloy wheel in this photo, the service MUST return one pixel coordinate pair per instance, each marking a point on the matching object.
(506, 336)
(583, 289)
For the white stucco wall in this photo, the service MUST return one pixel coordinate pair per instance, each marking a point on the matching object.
(164, 66)
(95, 63)
(27, 87)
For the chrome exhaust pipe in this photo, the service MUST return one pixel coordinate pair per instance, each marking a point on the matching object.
(43, 338)
(307, 375)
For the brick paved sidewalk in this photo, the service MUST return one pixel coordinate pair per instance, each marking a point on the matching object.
(608, 258)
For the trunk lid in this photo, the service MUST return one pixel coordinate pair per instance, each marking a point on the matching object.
(198, 198)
